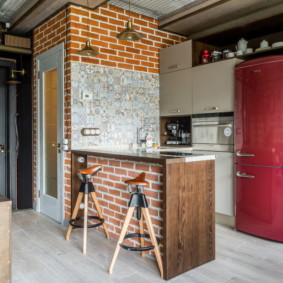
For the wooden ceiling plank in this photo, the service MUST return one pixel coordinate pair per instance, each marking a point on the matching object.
(197, 8)
(248, 19)
(39, 13)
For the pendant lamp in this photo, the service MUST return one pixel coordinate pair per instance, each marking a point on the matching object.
(129, 33)
(13, 80)
(88, 50)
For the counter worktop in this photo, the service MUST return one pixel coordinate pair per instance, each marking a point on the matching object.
(145, 155)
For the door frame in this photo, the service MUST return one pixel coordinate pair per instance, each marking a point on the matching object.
(11, 163)
(39, 105)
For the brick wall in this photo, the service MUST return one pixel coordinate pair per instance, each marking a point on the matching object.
(113, 195)
(71, 26)
(104, 24)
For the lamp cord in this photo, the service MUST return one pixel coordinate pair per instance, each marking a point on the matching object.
(129, 10)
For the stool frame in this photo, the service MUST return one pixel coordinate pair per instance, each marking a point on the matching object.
(86, 189)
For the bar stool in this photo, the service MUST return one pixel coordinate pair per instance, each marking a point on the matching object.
(138, 200)
(86, 189)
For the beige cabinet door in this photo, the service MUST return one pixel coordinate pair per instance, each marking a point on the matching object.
(213, 87)
(176, 93)
(176, 57)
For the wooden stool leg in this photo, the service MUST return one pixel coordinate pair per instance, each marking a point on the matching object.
(153, 239)
(85, 222)
(142, 232)
(121, 238)
(95, 200)
(74, 215)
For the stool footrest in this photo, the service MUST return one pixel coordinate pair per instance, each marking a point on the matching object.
(73, 221)
(137, 249)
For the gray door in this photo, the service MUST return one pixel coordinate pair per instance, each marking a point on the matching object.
(50, 69)
(3, 139)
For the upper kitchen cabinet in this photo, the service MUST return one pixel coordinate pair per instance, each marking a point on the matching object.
(176, 57)
(176, 93)
(213, 87)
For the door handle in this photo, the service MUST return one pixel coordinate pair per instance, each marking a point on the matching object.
(240, 154)
(2, 148)
(244, 175)
(211, 108)
(174, 111)
(58, 145)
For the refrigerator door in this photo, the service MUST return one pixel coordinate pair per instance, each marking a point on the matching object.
(259, 199)
(258, 112)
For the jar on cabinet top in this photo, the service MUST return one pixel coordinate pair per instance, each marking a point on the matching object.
(205, 57)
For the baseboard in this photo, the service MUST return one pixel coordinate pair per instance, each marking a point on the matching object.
(225, 220)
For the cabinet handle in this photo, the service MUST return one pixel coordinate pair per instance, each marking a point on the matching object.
(240, 154)
(174, 111)
(174, 67)
(211, 108)
(244, 175)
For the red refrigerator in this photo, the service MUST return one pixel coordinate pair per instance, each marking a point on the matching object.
(259, 147)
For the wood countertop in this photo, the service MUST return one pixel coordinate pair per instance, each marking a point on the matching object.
(142, 155)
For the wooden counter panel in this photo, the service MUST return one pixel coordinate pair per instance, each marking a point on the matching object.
(189, 220)
(5, 239)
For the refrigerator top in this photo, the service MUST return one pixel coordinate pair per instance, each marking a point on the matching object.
(259, 61)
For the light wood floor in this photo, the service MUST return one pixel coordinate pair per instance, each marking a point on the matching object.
(41, 254)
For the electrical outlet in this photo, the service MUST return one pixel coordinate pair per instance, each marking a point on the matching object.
(90, 131)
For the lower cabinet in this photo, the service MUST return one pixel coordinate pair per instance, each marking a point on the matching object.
(176, 93)
(224, 182)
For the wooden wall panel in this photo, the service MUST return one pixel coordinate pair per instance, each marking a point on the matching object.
(5, 239)
(189, 217)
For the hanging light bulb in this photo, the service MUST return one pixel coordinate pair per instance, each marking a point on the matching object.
(129, 33)
(88, 50)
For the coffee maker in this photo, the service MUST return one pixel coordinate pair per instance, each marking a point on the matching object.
(177, 133)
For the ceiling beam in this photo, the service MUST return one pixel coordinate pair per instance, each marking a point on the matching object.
(191, 11)
(43, 9)
(239, 22)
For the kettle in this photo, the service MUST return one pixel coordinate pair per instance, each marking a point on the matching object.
(242, 45)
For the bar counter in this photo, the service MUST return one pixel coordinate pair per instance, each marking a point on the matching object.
(181, 197)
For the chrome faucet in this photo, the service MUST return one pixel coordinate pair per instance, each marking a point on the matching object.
(140, 140)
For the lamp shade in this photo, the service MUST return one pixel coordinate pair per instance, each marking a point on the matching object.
(129, 33)
(88, 50)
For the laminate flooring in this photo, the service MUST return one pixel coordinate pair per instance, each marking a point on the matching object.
(41, 254)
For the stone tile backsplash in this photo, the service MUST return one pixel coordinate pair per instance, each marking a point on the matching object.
(115, 100)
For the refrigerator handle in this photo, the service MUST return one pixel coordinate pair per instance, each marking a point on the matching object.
(244, 175)
(244, 154)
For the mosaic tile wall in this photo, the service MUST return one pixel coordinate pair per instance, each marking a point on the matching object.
(115, 100)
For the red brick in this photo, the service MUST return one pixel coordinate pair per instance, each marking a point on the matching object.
(114, 192)
(115, 178)
(127, 165)
(142, 167)
(125, 54)
(108, 183)
(125, 66)
(120, 171)
(114, 163)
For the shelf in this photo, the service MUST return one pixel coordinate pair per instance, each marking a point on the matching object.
(256, 54)
(15, 49)
(271, 51)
